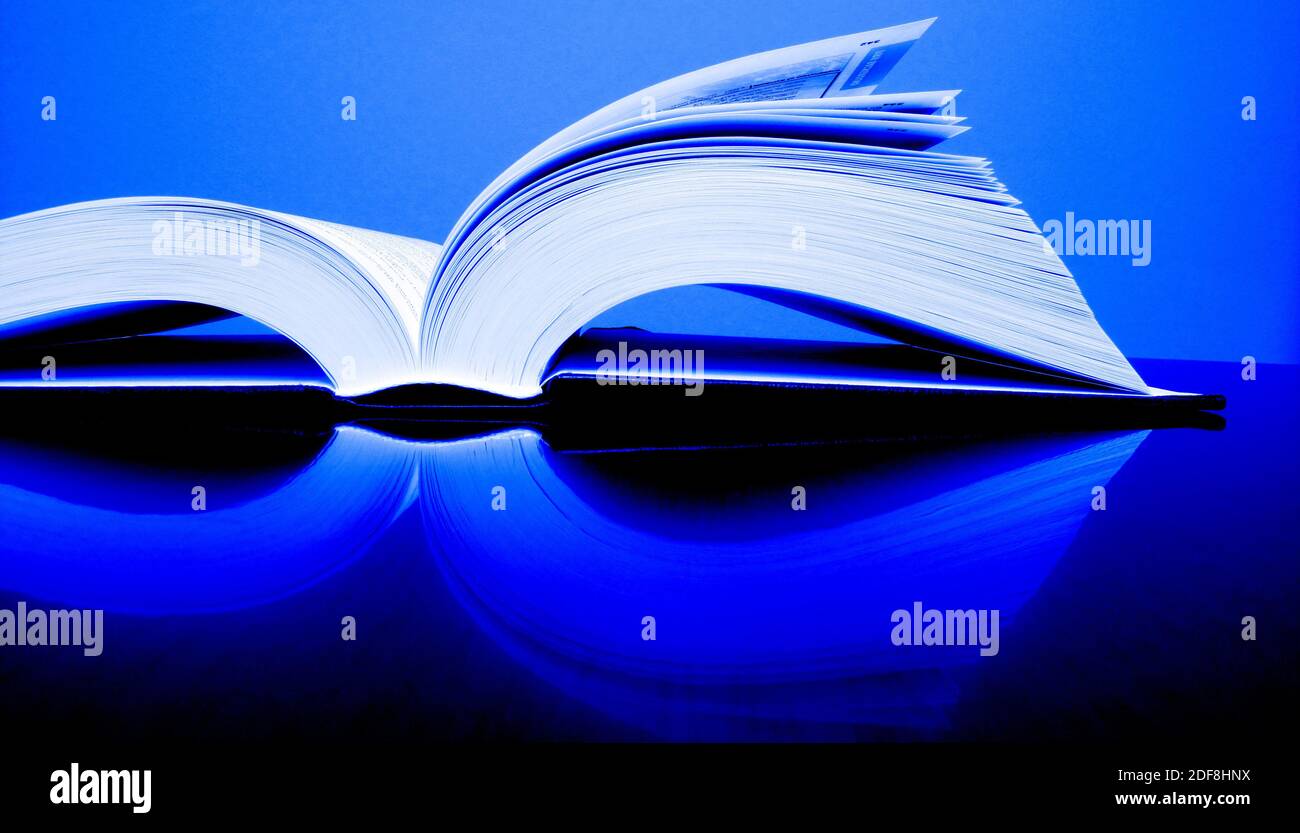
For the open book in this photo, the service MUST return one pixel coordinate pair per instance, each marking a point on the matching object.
(782, 175)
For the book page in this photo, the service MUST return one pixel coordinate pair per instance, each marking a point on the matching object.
(399, 267)
(848, 65)
(349, 298)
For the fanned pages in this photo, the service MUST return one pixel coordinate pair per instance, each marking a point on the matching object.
(347, 296)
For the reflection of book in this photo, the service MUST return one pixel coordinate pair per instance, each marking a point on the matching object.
(761, 613)
(748, 594)
(74, 533)
(750, 582)
(781, 175)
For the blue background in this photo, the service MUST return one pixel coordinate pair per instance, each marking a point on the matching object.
(1109, 110)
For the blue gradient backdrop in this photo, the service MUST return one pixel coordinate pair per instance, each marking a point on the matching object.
(1109, 110)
